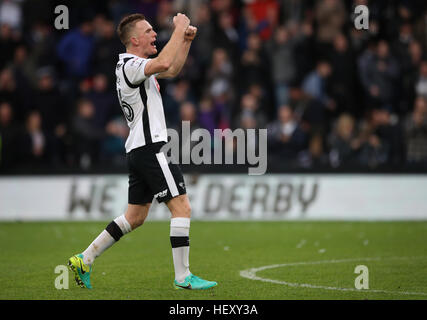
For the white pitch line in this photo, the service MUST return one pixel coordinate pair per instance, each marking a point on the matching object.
(251, 274)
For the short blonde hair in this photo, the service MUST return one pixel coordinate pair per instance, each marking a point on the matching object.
(126, 25)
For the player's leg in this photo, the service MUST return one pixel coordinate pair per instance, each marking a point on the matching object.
(139, 201)
(180, 209)
(180, 235)
(167, 182)
(133, 218)
(81, 264)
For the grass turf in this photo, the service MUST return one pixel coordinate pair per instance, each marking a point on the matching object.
(140, 266)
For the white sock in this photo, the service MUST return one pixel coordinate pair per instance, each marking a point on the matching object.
(123, 224)
(114, 231)
(180, 241)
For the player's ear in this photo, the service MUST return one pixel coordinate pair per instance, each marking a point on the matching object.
(134, 41)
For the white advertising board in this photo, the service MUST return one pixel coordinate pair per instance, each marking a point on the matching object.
(223, 197)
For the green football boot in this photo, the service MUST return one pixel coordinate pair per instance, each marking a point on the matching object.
(193, 282)
(81, 271)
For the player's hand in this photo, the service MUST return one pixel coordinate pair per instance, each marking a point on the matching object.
(190, 33)
(181, 21)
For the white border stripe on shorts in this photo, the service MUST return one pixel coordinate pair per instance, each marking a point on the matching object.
(167, 173)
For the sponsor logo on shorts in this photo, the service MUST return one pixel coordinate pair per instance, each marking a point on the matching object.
(161, 194)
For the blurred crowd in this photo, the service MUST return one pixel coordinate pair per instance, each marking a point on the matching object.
(331, 96)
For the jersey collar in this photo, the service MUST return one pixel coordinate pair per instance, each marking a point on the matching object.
(126, 55)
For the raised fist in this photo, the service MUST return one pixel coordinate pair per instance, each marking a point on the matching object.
(190, 33)
(181, 21)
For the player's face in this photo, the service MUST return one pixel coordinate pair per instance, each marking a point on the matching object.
(146, 37)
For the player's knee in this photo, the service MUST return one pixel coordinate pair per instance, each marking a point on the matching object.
(184, 210)
(179, 207)
(137, 221)
(136, 217)
(187, 210)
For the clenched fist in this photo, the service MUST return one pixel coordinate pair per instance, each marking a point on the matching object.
(181, 21)
(190, 33)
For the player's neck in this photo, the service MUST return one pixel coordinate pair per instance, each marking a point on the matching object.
(136, 52)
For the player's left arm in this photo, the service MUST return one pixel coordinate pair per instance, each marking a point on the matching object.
(181, 55)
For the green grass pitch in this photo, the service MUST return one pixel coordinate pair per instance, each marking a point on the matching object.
(312, 256)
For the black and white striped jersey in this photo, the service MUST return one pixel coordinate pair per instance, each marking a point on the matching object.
(141, 102)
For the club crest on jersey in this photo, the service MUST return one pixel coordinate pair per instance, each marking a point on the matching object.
(128, 111)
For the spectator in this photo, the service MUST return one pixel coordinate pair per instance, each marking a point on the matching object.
(293, 10)
(49, 102)
(191, 7)
(330, 18)
(23, 69)
(305, 49)
(314, 84)
(86, 135)
(188, 113)
(416, 133)
(106, 50)
(410, 67)
(203, 43)
(283, 68)
(314, 87)
(247, 25)
(219, 83)
(103, 99)
(221, 69)
(226, 36)
(380, 139)
(253, 64)
(8, 44)
(248, 122)
(33, 143)
(9, 93)
(421, 86)
(364, 62)
(42, 42)
(163, 21)
(382, 73)
(75, 50)
(212, 115)
(8, 137)
(265, 100)
(343, 143)
(285, 136)
(250, 109)
(401, 44)
(53, 109)
(266, 14)
(11, 13)
(314, 156)
(373, 152)
(176, 94)
(113, 148)
(343, 76)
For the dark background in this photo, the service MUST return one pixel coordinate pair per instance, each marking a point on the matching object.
(333, 98)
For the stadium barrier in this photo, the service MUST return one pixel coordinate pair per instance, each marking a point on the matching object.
(223, 197)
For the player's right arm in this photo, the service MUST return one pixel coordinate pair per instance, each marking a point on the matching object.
(167, 56)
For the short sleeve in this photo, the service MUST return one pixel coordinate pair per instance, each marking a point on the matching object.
(134, 70)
